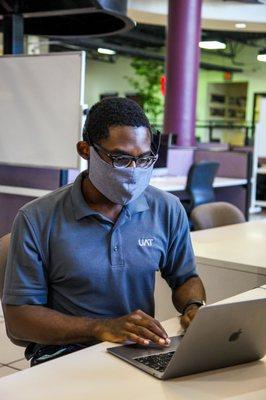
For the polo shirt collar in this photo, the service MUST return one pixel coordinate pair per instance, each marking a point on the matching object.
(80, 206)
(138, 205)
(82, 210)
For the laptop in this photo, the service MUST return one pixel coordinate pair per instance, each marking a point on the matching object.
(221, 335)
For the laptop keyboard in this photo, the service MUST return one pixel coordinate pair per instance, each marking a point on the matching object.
(158, 362)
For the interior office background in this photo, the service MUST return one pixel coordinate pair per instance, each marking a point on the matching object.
(112, 74)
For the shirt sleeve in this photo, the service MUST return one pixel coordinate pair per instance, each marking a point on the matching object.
(180, 263)
(25, 276)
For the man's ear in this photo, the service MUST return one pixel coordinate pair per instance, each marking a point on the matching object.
(83, 149)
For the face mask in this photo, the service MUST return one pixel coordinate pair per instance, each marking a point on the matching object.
(119, 185)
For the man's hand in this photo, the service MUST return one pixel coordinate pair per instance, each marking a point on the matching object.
(186, 319)
(137, 327)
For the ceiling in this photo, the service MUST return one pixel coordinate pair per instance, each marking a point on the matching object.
(69, 17)
(147, 39)
(216, 14)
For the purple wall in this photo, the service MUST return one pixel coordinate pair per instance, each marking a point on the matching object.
(232, 164)
(179, 160)
(36, 178)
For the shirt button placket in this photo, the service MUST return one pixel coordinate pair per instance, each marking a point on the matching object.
(116, 258)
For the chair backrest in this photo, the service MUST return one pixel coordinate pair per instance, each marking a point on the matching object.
(199, 182)
(217, 214)
(4, 244)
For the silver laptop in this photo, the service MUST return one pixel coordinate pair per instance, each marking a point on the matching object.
(220, 336)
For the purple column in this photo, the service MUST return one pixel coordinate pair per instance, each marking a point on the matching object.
(182, 69)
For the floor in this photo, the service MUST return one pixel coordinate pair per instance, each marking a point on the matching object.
(12, 357)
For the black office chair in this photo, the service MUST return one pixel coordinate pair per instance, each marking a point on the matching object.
(199, 184)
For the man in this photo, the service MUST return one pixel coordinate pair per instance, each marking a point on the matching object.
(82, 259)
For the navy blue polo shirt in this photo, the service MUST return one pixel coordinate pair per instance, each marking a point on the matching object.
(74, 260)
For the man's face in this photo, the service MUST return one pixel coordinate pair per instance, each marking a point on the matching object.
(122, 140)
(127, 140)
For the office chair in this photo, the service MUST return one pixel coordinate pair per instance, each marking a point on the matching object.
(199, 184)
(4, 244)
(216, 214)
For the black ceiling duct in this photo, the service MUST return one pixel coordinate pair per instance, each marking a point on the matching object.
(68, 18)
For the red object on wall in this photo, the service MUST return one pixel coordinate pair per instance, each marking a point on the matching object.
(228, 76)
(163, 84)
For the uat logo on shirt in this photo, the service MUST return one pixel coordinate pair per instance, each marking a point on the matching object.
(145, 242)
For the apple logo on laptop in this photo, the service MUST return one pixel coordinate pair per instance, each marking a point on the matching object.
(234, 336)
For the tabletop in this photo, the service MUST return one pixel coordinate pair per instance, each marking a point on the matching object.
(239, 246)
(167, 183)
(93, 373)
(178, 183)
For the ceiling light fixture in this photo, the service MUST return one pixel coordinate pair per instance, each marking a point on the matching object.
(262, 55)
(240, 25)
(212, 45)
(106, 51)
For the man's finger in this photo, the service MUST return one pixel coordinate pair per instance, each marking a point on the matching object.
(147, 334)
(152, 327)
(144, 320)
(188, 317)
(185, 321)
(137, 339)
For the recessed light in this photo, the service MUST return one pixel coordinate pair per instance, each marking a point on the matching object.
(240, 25)
(106, 51)
(212, 45)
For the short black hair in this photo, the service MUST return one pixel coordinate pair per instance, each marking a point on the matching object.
(112, 111)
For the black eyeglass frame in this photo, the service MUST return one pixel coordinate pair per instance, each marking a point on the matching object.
(153, 158)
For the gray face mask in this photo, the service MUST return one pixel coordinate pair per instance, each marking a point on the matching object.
(119, 185)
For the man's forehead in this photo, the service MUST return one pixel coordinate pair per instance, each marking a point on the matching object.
(128, 140)
(128, 134)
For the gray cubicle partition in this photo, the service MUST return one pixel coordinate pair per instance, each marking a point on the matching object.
(41, 108)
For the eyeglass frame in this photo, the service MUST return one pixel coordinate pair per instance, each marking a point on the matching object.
(113, 158)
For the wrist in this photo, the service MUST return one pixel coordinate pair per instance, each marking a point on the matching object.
(95, 328)
(190, 308)
(193, 303)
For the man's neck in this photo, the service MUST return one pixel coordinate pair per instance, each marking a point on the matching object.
(98, 202)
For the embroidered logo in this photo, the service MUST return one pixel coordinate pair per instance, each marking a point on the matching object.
(145, 242)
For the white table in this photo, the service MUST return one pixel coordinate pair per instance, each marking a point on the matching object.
(178, 183)
(231, 259)
(168, 183)
(94, 374)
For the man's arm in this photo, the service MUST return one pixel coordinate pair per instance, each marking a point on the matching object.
(191, 289)
(43, 325)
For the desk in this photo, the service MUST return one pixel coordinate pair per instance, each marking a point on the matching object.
(232, 190)
(231, 259)
(168, 183)
(178, 183)
(94, 374)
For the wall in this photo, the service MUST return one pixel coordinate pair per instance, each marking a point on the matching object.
(254, 73)
(103, 77)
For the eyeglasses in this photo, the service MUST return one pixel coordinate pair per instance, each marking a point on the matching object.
(124, 161)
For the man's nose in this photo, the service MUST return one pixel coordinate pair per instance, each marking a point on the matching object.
(132, 164)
